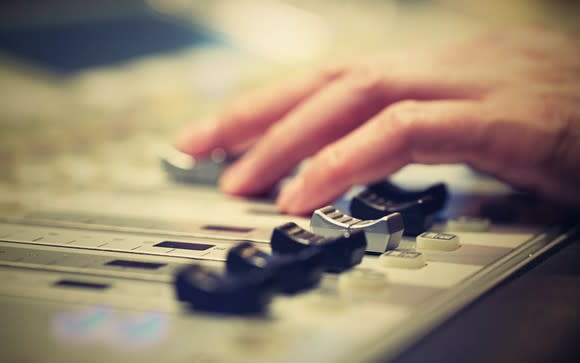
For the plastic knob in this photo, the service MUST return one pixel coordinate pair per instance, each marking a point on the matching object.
(205, 290)
(416, 218)
(382, 234)
(437, 193)
(340, 252)
(292, 273)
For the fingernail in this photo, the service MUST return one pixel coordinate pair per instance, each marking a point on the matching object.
(195, 138)
(290, 194)
(233, 179)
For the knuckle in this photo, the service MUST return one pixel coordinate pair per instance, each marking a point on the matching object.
(402, 118)
(365, 81)
(332, 71)
(231, 125)
(280, 131)
(400, 123)
(333, 161)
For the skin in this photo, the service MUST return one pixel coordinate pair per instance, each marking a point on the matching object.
(506, 103)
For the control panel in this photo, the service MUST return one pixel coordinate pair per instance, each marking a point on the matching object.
(165, 275)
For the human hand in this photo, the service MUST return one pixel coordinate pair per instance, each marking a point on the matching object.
(507, 104)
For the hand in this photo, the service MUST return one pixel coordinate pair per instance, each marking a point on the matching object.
(507, 104)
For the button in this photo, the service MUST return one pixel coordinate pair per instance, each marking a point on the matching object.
(402, 259)
(468, 224)
(340, 252)
(362, 279)
(205, 290)
(437, 241)
(382, 234)
(293, 273)
(417, 216)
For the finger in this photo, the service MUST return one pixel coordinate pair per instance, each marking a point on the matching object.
(251, 115)
(410, 131)
(329, 114)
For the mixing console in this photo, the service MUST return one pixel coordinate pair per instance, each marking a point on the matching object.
(115, 248)
(168, 273)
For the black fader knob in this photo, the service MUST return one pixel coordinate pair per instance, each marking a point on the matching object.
(340, 253)
(416, 218)
(292, 273)
(207, 291)
(437, 194)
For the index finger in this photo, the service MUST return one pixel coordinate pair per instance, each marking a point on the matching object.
(383, 145)
(251, 115)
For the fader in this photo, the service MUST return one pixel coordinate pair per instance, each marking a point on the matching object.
(340, 252)
(184, 168)
(293, 273)
(417, 214)
(437, 193)
(382, 234)
(205, 290)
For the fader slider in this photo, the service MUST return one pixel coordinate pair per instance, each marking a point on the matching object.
(340, 252)
(382, 234)
(417, 214)
(292, 273)
(205, 290)
(437, 193)
(184, 168)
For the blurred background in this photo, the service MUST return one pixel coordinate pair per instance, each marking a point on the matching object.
(90, 91)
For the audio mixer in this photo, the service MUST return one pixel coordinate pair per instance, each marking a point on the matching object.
(182, 273)
(115, 249)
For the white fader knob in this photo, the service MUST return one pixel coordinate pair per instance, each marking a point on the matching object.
(382, 234)
(437, 241)
(467, 224)
(402, 259)
(362, 280)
